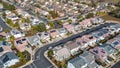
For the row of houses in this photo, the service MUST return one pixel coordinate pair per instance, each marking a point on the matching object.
(101, 52)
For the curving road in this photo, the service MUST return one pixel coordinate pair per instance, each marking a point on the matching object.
(41, 62)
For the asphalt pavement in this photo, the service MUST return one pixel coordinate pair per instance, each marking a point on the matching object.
(41, 62)
(4, 25)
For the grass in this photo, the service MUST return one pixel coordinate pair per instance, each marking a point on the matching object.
(108, 17)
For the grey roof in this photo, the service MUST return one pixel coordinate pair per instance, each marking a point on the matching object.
(71, 45)
(7, 56)
(89, 57)
(93, 65)
(33, 39)
(78, 62)
(109, 49)
(62, 30)
(4, 43)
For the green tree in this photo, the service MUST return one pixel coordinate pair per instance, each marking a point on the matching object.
(7, 30)
(90, 15)
(50, 53)
(8, 6)
(40, 27)
(54, 14)
(23, 20)
(12, 38)
(51, 24)
(27, 20)
(3, 14)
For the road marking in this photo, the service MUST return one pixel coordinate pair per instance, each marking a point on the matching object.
(34, 65)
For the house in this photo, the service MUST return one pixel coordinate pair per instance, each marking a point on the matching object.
(77, 26)
(101, 34)
(44, 36)
(22, 13)
(53, 33)
(115, 43)
(62, 32)
(34, 20)
(34, 40)
(77, 62)
(91, 40)
(8, 59)
(25, 26)
(111, 52)
(61, 53)
(4, 43)
(82, 42)
(16, 33)
(72, 47)
(86, 40)
(85, 23)
(5, 49)
(100, 54)
(69, 27)
(4, 34)
(20, 44)
(116, 26)
(97, 20)
(85, 60)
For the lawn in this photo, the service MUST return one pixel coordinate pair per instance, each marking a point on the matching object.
(108, 17)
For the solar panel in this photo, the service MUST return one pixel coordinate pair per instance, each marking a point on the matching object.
(1, 49)
(5, 59)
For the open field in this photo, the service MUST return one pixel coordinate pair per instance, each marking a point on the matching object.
(108, 17)
(112, 1)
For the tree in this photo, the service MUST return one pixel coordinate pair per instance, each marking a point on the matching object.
(23, 20)
(50, 53)
(3, 15)
(90, 15)
(27, 20)
(12, 38)
(40, 27)
(8, 6)
(7, 30)
(54, 14)
(51, 24)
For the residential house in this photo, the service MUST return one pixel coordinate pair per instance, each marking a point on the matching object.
(82, 42)
(86, 40)
(77, 26)
(85, 60)
(34, 40)
(22, 13)
(53, 33)
(8, 59)
(115, 43)
(91, 40)
(101, 34)
(44, 36)
(111, 52)
(5, 49)
(77, 62)
(16, 33)
(97, 20)
(25, 26)
(100, 54)
(20, 44)
(116, 26)
(85, 23)
(62, 32)
(72, 47)
(69, 27)
(61, 53)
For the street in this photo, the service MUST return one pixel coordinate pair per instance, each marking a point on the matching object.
(42, 62)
